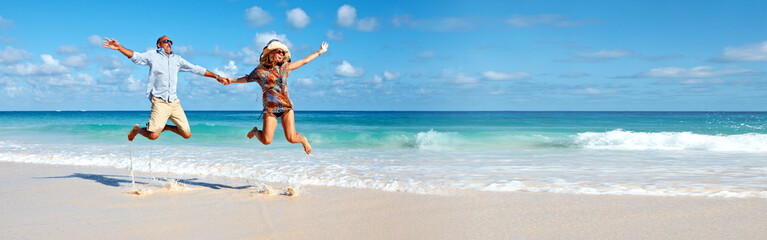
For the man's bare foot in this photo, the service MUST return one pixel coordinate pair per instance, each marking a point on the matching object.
(252, 133)
(307, 147)
(133, 132)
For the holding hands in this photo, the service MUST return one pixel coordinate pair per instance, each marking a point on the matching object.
(224, 80)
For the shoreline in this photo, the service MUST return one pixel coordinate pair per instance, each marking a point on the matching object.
(65, 202)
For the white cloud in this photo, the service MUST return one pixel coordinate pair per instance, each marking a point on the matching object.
(250, 56)
(185, 51)
(377, 80)
(132, 85)
(599, 56)
(369, 24)
(230, 70)
(304, 82)
(67, 50)
(5, 23)
(554, 20)
(64, 80)
(499, 76)
(695, 72)
(594, 91)
(12, 55)
(7, 39)
(338, 82)
(84, 79)
(573, 75)
(605, 54)
(346, 15)
(496, 92)
(113, 61)
(425, 55)
(12, 90)
(256, 17)
(402, 20)
(751, 52)
(116, 75)
(461, 78)
(49, 66)
(702, 81)
(345, 69)
(78, 61)
(298, 18)
(391, 76)
(264, 37)
(94, 40)
(457, 76)
(332, 35)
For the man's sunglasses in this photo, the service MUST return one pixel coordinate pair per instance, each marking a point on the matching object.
(167, 41)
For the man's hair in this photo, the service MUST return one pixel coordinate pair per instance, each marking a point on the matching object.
(158, 40)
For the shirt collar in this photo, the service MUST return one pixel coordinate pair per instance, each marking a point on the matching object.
(162, 51)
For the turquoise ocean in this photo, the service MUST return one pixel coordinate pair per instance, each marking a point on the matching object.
(711, 154)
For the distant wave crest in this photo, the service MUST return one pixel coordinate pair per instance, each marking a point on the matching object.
(627, 140)
(433, 140)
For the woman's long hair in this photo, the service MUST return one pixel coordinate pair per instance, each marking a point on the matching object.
(268, 63)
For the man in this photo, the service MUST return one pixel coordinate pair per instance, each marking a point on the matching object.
(161, 90)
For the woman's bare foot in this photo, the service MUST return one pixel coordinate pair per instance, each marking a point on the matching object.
(307, 147)
(252, 133)
(133, 132)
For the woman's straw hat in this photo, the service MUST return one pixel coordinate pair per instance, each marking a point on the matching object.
(275, 44)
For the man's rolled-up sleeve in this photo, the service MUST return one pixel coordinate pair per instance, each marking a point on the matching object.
(185, 66)
(139, 58)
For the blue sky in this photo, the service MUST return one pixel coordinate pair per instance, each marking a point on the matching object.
(397, 55)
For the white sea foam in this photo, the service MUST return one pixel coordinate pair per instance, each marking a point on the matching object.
(627, 140)
(433, 140)
(576, 171)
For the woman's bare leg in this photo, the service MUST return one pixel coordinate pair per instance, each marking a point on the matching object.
(289, 125)
(265, 136)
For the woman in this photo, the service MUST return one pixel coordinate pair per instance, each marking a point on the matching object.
(272, 76)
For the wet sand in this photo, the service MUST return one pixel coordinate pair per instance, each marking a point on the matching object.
(74, 202)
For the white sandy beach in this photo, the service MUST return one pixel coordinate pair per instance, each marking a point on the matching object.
(71, 202)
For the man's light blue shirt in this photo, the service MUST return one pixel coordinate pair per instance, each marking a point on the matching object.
(163, 72)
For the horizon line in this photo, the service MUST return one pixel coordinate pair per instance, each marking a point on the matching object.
(399, 110)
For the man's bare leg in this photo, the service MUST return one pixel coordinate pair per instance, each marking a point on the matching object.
(176, 130)
(136, 130)
(133, 132)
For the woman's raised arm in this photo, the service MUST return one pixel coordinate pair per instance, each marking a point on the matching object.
(307, 59)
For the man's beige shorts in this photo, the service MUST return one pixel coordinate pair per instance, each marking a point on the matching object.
(162, 111)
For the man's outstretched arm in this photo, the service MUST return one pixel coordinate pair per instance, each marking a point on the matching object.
(114, 45)
(216, 76)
